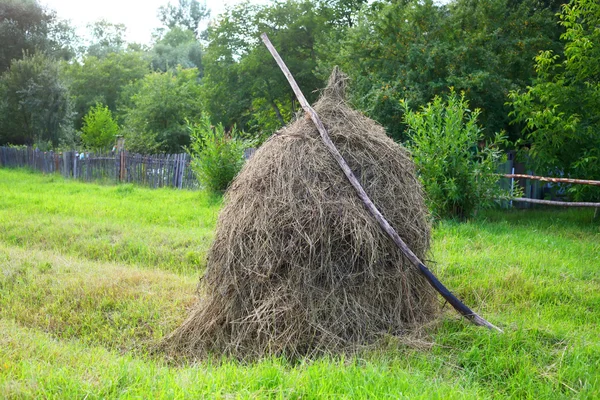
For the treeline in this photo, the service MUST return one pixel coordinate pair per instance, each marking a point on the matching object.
(531, 66)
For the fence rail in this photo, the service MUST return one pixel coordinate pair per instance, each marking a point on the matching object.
(556, 180)
(557, 203)
(159, 170)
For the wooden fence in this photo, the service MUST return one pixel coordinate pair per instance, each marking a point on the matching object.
(556, 180)
(159, 170)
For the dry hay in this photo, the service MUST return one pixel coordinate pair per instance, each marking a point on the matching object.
(298, 265)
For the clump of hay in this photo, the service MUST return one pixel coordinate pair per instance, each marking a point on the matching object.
(298, 265)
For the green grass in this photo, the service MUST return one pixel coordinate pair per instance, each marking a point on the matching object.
(162, 228)
(91, 277)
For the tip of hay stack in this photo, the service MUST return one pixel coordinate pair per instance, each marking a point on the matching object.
(298, 266)
(336, 85)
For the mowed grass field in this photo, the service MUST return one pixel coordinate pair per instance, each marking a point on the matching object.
(92, 277)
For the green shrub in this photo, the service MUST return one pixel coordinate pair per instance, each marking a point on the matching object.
(99, 128)
(217, 156)
(456, 167)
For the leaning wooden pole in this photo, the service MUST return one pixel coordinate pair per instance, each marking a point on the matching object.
(385, 225)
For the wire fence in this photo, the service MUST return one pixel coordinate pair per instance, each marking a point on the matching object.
(155, 171)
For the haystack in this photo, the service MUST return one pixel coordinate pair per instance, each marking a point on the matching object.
(298, 265)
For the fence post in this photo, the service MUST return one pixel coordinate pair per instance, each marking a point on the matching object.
(74, 165)
(175, 169)
(122, 165)
(68, 164)
(182, 169)
(120, 152)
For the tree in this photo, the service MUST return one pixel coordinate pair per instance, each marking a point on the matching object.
(494, 54)
(26, 27)
(164, 103)
(177, 47)
(416, 49)
(343, 12)
(186, 15)
(561, 110)
(103, 80)
(36, 107)
(23, 27)
(387, 52)
(107, 38)
(99, 129)
(64, 44)
(242, 83)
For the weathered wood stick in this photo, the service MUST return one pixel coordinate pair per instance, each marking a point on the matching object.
(557, 180)
(557, 203)
(385, 225)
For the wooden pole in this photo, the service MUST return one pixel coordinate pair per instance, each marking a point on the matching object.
(183, 162)
(74, 165)
(385, 225)
(556, 180)
(557, 203)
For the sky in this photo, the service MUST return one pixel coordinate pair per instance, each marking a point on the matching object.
(139, 16)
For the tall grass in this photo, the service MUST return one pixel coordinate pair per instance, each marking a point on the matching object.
(91, 277)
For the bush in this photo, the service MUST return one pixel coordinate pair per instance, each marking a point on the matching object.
(217, 156)
(99, 128)
(456, 167)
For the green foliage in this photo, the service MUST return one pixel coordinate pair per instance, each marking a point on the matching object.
(103, 80)
(23, 27)
(106, 38)
(415, 50)
(177, 47)
(99, 128)
(63, 42)
(561, 109)
(187, 15)
(35, 106)
(156, 119)
(343, 13)
(455, 164)
(242, 83)
(217, 156)
(26, 28)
